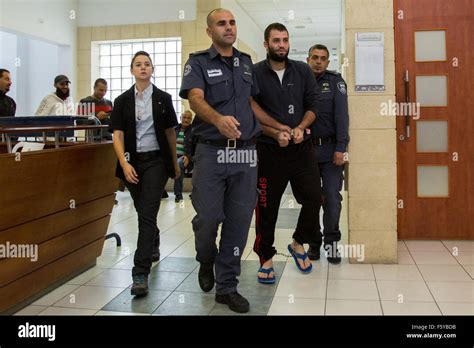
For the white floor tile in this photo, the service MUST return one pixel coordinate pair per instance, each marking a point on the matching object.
(397, 272)
(404, 291)
(107, 260)
(89, 297)
(424, 245)
(83, 278)
(410, 308)
(55, 295)
(111, 313)
(353, 307)
(116, 278)
(449, 308)
(67, 311)
(460, 245)
(470, 270)
(296, 306)
(304, 288)
(444, 273)
(433, 258)
(351, 271)
(465, 258)
(404, 258)
(31, 310)
(320, 271)
(402, 246)
(452, 291)
(352, 290)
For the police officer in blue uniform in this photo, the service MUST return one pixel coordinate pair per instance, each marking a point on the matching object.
(331, 137)
(219, 82)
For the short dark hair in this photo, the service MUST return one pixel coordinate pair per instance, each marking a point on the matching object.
(3, 71)
(140, 53)
(273, 26)
(100, 80)
(318, 47)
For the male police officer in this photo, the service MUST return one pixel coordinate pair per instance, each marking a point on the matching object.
(331, 135)
(289, 94)
(218, 83)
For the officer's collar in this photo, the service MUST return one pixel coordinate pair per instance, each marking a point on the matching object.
(2, 93)
(318, 77)
(213, 53)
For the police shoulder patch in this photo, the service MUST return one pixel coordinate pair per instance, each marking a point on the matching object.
(187, 70)
(341, 86)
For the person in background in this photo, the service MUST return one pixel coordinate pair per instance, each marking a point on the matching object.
(183, 151)
(98, 105)
(58, 103)
(7, 104)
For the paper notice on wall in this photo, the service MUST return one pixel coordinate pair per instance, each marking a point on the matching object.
(369, 62)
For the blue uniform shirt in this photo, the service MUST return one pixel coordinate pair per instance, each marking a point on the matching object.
(333, 117)
(227, 89)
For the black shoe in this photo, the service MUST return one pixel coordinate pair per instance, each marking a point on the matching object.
(235, 301)
(314, 252)
(164, 195)
(206, 276)
(140, 285)
(332, 254)
(178, 198)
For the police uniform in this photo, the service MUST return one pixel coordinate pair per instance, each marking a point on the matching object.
(222, 192)
(330, 134)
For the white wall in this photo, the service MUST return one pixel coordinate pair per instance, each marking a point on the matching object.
(119, 12)
(44, 29)
(247, 30)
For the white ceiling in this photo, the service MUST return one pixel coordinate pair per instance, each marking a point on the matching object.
(314, 21)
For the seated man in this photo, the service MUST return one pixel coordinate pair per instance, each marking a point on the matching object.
(7, 104)
(58, 103)
(183, 150)
(98, 105)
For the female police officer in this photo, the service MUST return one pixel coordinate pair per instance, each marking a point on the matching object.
(143, 121)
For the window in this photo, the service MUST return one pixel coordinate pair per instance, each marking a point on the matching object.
(115, 58)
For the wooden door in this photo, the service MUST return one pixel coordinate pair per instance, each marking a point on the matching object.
(434, 48)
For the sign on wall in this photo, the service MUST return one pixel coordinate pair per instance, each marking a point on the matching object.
(369, 62)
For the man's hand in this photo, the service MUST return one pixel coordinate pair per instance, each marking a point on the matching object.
(101, 115)
(130, 173)
(298, 135)
(227, 126)
(338, 158)
(284, 128)
(283, 138)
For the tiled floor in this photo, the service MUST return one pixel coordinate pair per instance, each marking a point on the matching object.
(431, 278)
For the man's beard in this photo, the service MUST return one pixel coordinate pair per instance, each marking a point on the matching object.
(61, 94)
(276, 57)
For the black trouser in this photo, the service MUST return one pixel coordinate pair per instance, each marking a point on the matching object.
(332, 178)
(277, 166)
(146, 196)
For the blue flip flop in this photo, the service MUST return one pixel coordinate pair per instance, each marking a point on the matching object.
(266, 271)
(297, 256)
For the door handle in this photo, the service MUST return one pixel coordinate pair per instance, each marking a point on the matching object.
(406, 79)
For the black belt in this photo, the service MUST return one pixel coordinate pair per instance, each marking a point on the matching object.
(145, 156)
(230, 143)
(324, 140)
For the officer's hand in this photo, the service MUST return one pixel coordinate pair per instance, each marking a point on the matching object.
(338, 158)
(283, 139)
(130, 173)
(185, 161)
(227, 126)
(298, 135)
